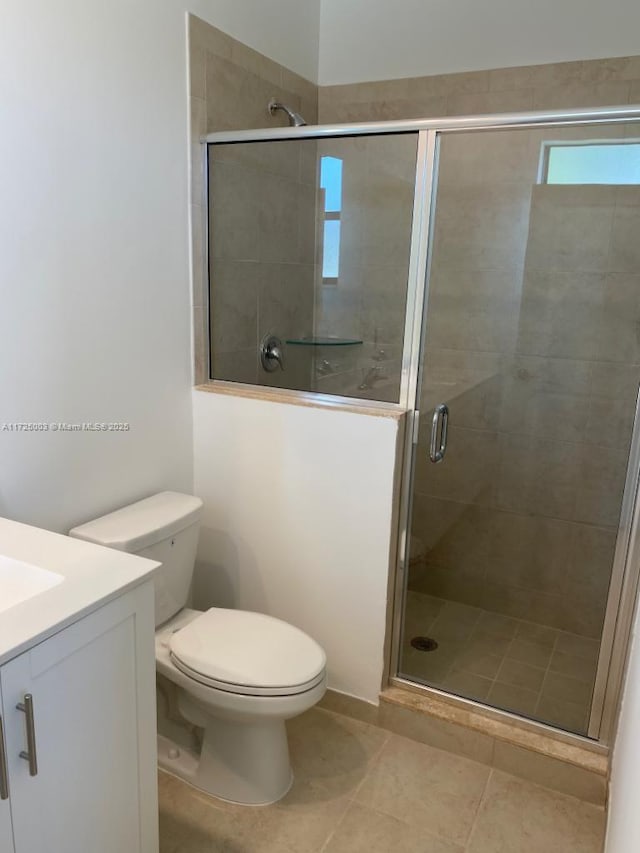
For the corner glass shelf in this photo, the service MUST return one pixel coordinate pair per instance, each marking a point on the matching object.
(314, 341)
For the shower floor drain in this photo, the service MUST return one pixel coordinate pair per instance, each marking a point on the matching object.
(424, 644)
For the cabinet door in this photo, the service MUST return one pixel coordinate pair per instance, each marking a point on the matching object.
(94, 721)
(6, 835)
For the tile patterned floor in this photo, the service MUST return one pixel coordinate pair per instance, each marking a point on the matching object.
(360, 789)
(519, 666)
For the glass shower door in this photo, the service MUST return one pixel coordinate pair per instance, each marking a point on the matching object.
(532, 345)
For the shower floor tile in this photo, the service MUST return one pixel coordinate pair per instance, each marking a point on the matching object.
(518, 666)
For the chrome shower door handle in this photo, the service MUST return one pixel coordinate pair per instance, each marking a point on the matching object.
(4, 776)
(439, 425)
(30, 754)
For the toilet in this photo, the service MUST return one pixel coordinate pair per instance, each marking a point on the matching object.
(239, 674)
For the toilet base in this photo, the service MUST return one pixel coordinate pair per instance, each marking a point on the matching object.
(245, 765)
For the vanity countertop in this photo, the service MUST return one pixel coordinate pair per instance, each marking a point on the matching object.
(75, 577)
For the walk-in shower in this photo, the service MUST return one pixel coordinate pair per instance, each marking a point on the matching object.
(483, 274)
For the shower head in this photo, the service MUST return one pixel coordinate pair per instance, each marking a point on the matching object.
(295, 119)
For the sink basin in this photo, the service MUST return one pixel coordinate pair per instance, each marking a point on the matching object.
(20, 581)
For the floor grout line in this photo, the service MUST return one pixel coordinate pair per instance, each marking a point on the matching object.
(351, 798)
(332, 832)
(546, 672)
(483, 798)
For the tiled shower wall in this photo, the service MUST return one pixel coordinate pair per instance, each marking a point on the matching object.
(230, 86)
(518, 522)
(262, 211)
(368, 302)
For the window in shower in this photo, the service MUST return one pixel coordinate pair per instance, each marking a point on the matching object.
(612, 162)
(331, 184)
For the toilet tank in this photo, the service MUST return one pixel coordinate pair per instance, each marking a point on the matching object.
(163, 527)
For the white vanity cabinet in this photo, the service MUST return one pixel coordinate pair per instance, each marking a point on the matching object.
(80, 753)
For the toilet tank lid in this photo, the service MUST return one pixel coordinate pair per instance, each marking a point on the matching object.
(140, 525)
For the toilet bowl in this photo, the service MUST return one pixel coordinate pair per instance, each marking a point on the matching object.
(240, 707)
(239, 675)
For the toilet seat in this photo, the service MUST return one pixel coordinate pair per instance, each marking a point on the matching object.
(249, 653)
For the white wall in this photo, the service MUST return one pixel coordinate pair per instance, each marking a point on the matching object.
(297, 523)
(376, 39)
(623, 820)
(94, 311)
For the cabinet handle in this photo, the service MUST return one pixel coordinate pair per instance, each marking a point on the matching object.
(440, 416)
(30, 755)
(4, 778)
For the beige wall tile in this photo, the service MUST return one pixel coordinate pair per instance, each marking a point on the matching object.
(197, 70)
(538, 476)
(286, 301)
(197, 175)
(234, 234)
(238, 97)
(574, 95)
(474, 380)
(256, 63)
(586, 615)
(625, 249)
(618, 330)
(200, 345)
(513, 101)
(560, 313)
(601, 484)
(591, 559)
(490, 158)
(504, 79)
(561, 218)
(616, 68)
(466, 81)
(471, 309)
(468, 472)
(464, 542)
(556, 73)
(234, 304)
(212, 39)
(199, 295)
(482, 227)
(543, 395)
(236, 365)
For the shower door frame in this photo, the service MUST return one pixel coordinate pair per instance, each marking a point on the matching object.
(614, 642)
